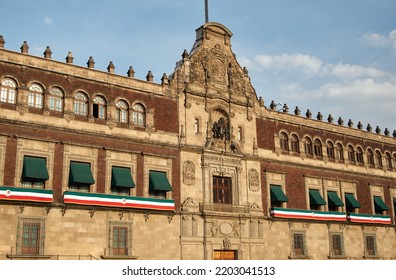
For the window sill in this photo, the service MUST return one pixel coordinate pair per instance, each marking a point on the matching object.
(118, 257)
(342, 257)
(29, 257)
(299, 257)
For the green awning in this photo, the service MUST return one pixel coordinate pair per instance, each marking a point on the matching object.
(351, 201)
(277, 194)
(380, 204)
(159, 182)
(334, 199)
(80, 172)
(315, 198)
(121, 177)
(34, 168)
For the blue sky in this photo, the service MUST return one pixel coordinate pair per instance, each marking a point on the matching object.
(335, 56)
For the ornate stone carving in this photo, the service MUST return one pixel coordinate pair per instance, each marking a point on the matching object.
(226, 244)
(189, 203)
(221, 130)
(254, 180)
(189, 173)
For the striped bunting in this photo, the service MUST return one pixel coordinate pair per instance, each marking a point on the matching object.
(26, 194)
(371, 219)
(118, 201)
(308, 214)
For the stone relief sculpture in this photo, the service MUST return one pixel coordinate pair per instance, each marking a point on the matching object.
(254, 180)
(188, 173)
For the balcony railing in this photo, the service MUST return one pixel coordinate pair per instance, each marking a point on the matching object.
(223, 207)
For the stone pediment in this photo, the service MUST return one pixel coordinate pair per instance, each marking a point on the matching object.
(214, 70)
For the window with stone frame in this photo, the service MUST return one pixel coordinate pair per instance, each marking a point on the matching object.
(35, 96)
(330, 150)
(370, 158)
(318, 148)
(378, 159)
(389, 163)
(55, 99)
(359, 155)
(81, 104)
(351, 154)
(120, 239)
(336, 245)
(308, 146)
(139, 115)
(99, 108)
(298, 245)
(284, 141)
(122, 115)
(340, 152)
(370, 246)
(30, 236)
(295, 144)
(8, 91)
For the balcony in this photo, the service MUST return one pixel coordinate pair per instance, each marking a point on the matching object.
(224, 208)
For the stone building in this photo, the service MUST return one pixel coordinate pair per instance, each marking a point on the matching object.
(94, 165)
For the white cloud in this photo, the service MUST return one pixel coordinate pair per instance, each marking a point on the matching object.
(379, 40)
(48, 20)
(306, 63)
(349, 71)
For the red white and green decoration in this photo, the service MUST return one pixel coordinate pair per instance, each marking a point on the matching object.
(70, 197)
(26, 194)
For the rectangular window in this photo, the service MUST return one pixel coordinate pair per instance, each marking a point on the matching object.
(336, 244)
(158, 184)
(30, 236)
(80, 176)
(222, 190)
(120, 240)
(298, 244)
(34, 172)
(240, 133)
(370, 245)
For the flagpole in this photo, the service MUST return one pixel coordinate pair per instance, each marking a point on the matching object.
(206, 11)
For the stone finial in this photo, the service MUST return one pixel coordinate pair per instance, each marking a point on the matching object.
(285, 108)
(340, 121)
(330, 118)
(369, 128)
(319, 116)
(47, 53)
(350, 123)
(2, 42)
(69, 57)
(378, 130)
(149, 77)
(111, 67)
(25, 47)
(359, 125)
(91, 62)
(308, 114)
(131, 72)
(185, 54)
(386, 132)
(164, 79)
(394, 133)
(273, 105)
(297, 111)
(261, 101)
(245, 71)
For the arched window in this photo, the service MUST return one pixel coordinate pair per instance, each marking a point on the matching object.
(8, 91)
(370, 157)
(318, 148)
(359, 155)
(138, 115)
(81, 104)
(295, 144)
(330, 150)
(378, 159)
(55, 101)
(351, 154)
(122, 111)
(35, 96)
(389, 163)
(308, 146)
(99, 108)
(284, 141)
(340, 152)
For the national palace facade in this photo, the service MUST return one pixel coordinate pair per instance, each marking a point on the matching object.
(95, 165)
